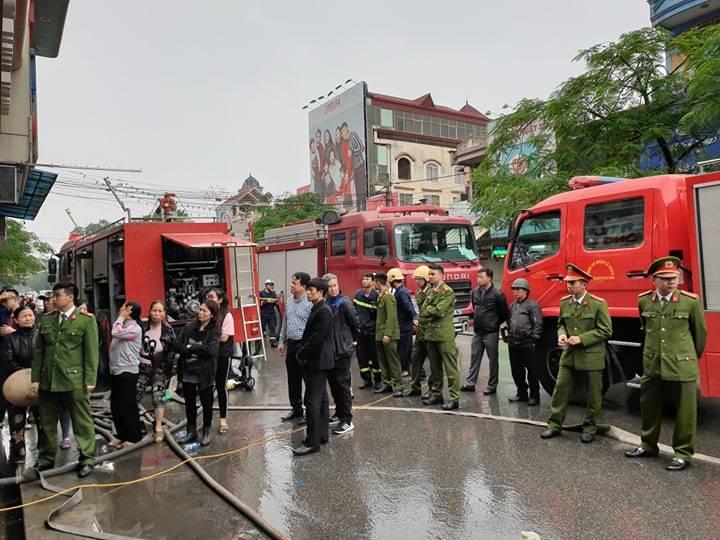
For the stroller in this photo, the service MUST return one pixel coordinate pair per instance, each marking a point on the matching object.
(241, 372)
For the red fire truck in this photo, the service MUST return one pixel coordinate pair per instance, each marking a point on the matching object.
(375, 241)
(172, 261)
(613, 228)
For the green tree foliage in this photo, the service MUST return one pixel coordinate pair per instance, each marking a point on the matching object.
(23, 254)
(95, 226)
(294, 208)
(601, 122)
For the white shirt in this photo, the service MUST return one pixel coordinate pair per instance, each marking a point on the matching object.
(579, 301)
(667, 298)
(67, 313)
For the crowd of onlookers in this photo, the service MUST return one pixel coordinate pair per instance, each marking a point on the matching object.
(61, 346)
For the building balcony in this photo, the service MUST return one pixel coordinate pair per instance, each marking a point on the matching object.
(679, 15)
(471, 152)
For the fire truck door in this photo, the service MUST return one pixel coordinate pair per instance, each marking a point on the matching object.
(704, 213)
(615, 236)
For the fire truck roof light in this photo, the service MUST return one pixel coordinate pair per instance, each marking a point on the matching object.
(580, 182)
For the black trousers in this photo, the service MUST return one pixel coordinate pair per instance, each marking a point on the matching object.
(269, 323)
(339, 381)
(221, 377)
(367, 359)
(405, 351)
(294, 376)
(206, 400)
(124, 406)
(316, 406)
(522, 361)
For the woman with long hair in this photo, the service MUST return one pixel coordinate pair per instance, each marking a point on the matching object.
(198, 349)
(124, 356)
(17, 354)
(156, 362)
(225, 351)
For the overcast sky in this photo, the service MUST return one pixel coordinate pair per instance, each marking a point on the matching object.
(200, 94)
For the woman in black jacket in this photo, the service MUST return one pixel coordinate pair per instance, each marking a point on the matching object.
(17, 355)
(198, 350)
(156, 362)
(225, 352)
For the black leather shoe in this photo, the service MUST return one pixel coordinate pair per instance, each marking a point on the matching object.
(302, 421)
(305, 450)
(85, 470)
(433, 400)
(44, 466)
(677, 464)
(397, 393)
(488, 391)
(322, 441)
(366, 384)
(411, 392)
(640, 452)
(587, 438)
(291, 415)
(427, 395)
(467, 388)
(191, 436)
(205, 436)
(451, 405)
(516, 399)
(383, 390)
(533, 401)
(550, 433)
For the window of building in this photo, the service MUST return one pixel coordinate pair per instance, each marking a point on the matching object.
(432, 171)
(337, 244)
(369, 243)
(538, 238)
(615, 224)
(431, 199)
(459, 177)
(382, 154)
(405, 199)
(404, 167)
(386, 118)
(353, 243)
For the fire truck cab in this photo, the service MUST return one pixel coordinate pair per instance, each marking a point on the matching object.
(613, 228)
(375, 241)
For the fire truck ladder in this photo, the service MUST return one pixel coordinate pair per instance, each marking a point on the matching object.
(249, 302)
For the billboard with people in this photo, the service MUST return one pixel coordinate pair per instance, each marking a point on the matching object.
(337, 146)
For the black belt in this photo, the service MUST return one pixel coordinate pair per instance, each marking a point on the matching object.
(294, 341)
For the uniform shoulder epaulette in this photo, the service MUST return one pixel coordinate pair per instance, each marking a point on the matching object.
(687, 293)
(597, 298)
(50, 313)
(446, 287)
(565, 297)
(87, 314)
(645, 293)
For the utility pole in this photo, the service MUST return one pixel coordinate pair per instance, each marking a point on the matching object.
(112, 190)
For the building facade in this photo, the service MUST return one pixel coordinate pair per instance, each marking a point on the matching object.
(412, 145)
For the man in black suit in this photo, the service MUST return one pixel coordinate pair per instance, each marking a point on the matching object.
(316, 354)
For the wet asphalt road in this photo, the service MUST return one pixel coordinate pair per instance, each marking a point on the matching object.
(409, 475)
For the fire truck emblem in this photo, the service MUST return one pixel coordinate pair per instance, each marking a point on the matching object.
(601, 269)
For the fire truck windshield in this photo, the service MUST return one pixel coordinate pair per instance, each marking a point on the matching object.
(434, 242)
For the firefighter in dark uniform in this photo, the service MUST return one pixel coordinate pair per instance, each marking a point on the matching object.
(436, 314)
(421, 275)
(584, 326)
(65, 367)
(674, 327)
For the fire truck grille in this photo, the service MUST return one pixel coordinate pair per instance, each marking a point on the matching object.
(462, 291)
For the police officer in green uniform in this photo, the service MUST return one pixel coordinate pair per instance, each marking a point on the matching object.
(421, 275)
(584, 326)
(65, 367)
(387, 336)
(675, 334)
(436, 314)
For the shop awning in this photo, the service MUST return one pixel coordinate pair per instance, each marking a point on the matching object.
(208, 240)
(37, 187)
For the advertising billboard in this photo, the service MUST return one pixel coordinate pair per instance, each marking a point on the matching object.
(338, 148)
